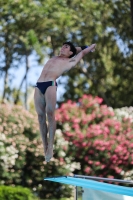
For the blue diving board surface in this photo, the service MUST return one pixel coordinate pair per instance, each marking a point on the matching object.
(95, 185)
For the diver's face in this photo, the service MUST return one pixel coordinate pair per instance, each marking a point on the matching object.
(65, 50)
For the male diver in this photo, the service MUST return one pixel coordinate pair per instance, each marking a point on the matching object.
(46, 86)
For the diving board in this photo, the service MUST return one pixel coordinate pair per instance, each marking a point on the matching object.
(95, 185)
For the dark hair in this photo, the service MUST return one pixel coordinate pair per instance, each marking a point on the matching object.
(72, 48)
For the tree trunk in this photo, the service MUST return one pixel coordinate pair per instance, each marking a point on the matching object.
(26, 82)
(18, 92)
(5, 85)
(8, 60)
(131, 1)
(26, 86)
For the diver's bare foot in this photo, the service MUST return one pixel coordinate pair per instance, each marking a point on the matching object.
(49, 154)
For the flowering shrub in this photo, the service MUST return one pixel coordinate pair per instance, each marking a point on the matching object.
(22, 160)
(98, 140)
(120, 113)
(125, 112)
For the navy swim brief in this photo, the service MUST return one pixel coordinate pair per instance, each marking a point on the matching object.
(42, 86)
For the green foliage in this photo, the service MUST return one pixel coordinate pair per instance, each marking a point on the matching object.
(108, 71)
(43, 26)
(22, 158)
(15, 193)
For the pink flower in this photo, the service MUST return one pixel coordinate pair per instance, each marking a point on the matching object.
(103, 166)
(90, 162)
(76, 120)
(86, 158)
(99, 100)
(97, 163)
(87, 170)
(110, 176)
(84, 144)
(118, 170)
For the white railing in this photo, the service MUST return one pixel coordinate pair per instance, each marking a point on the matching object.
(103, 179)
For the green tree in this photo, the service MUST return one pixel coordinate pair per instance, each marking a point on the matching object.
(28, 26)
(44, 25)
(18, 40)
(131, 2)
(107, 72)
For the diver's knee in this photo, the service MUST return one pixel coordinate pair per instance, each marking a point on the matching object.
(41, 118)
(50, 113)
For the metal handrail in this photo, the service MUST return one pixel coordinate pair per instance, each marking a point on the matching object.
(103, 179)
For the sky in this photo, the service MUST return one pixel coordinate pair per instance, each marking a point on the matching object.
(33, 75)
